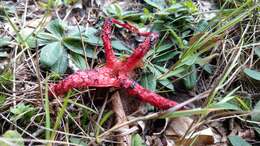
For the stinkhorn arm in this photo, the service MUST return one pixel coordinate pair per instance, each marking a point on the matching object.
(106, 36)
(137, 55)
(99, 77)
(148, 96)
(131, 28)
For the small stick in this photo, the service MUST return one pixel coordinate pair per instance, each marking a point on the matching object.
(158, 114)
(124, 140)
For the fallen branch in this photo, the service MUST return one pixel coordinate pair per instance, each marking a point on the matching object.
(124, 140)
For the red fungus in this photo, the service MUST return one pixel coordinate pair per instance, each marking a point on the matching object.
(116, 73)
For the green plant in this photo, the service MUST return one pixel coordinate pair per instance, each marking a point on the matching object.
(21, 111)
(137, 140)
(10, 10)
(2, 99)
(174, 16)
(168, 19)
(58, 41)
(11, 137)
(6, 77)
(56, 3)
(62, 42)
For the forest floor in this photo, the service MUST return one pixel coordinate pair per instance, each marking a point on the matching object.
(206, 59)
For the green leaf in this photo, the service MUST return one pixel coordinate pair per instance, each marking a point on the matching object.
(75, 30)
(175, 72)
(255, 116)
(105, 117)
(56, 27)
(62, 63)
(119, 45)
(2, 99)
(189, 4)
(161, 69)
(148, 81)
(20, 108)
(46, 38)
(137, 140)
(20, 111)
(207, 68)
(190, 59)
(91, 53)
(206, 60)
(146, 15)
(186, 113)
(176, 37)
(132, 15)
(166, 56)
(118, 10)
(257, 51)
(113, 10)
(94, 40)
(90, 37)
(257, 129)
(166, 83)
(6, 77)
(78, 60)
(15, 136)
(154, 69)
(69, 2)
(51, 53)
(202, 26)
(4, 54)
(159, 4)
(74, 44)
(252, 74)
(84, 107)
(238, 141)
(164, 47)
(27, 37)
(4, 41)
(78, 141)
(200, 111)
(175, 8)
(224, 106)
(191, 79)
(90, 31)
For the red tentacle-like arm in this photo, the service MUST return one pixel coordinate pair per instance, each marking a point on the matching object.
(106, 35)
(116, 73)
(99, 77)
(148, 96)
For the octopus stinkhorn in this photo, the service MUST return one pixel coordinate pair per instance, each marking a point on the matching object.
(116, 73)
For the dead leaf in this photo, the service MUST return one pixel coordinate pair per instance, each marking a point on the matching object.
(200, 138)
(34, 23)
(209, 44)
(178, 126)
(153, 141)
(178, 131)
(170, 142)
